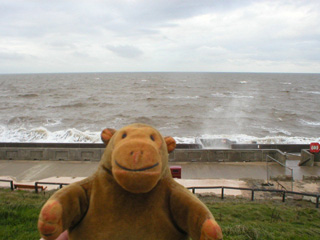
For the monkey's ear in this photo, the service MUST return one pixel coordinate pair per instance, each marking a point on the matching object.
(171, 143)
(107, 134)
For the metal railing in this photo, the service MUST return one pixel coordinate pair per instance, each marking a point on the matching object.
(283, 165)
(48, 183)
(36, 184)
(253, 190)
(9, 181)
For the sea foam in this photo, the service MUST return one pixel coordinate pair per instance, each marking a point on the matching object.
(73, 135)
(42, 134)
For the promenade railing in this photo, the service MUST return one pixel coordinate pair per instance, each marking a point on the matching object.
(48, 183)
(9, 181)
(283, 165)
(284, 193)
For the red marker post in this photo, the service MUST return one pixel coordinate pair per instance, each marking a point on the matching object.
(314, 147)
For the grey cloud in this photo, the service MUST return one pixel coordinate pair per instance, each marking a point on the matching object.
(34, 19)
(14, 56)
(38, 18)
(61, 44)
(126, 51)
(148, 16)
(159, 10)
(174, 30)
(78, 54)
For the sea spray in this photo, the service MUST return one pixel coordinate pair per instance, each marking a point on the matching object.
(42, 134)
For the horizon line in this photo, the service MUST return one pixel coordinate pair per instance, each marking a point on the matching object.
(89, 72)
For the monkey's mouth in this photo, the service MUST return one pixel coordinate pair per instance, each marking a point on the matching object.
(136, 170)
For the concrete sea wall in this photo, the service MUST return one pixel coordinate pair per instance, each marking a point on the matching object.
(93, 152)
(226, 155)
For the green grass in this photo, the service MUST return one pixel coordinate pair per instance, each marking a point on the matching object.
(239, 219)
(19, 211)
(244, 220)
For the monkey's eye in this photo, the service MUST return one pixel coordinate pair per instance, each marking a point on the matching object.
(152, 137)
(124, 135)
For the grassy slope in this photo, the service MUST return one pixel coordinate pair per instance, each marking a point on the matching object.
(239, 219)
(251, 220)
(19, 211)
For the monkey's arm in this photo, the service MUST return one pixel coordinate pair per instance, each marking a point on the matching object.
(192, 216)
(63, 210)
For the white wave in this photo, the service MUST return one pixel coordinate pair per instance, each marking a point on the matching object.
(243, 82)
(276, 131)
(309, 123)
(286, 83)
(246, 139)
(314, 92)
(52, 122)
(230, 95)
(168, 128)
(42, 134)
(218, 95)
(242, 96)
(188, 140)
(74, 135)
(184, 97)
(310, 92)
(218, 109)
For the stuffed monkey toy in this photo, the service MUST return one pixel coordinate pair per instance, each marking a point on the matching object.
(132, 196)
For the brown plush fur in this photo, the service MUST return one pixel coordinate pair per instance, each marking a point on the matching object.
(131, 196)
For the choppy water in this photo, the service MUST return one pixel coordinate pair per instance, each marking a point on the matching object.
(245, 107)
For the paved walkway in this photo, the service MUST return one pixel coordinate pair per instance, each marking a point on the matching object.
(193, 174)
(35, 170)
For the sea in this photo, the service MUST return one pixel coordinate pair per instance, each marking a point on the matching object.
(273, 108)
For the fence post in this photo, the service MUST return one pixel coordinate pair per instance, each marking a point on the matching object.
(317, 201)
(11, 185)
(36, 187)
(60, 186)
(284, 196)
(252, 195)
(292, 180)
(267, 169)
(222, 193)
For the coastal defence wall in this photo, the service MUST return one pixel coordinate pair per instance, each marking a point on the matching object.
(93, 152)
(226, 155)
(288, 148)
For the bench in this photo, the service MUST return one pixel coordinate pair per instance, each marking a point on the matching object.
(26, 186)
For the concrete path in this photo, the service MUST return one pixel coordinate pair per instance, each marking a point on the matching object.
(193, 174)
(35, 170)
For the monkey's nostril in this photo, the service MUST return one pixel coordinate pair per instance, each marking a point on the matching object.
(131, 153)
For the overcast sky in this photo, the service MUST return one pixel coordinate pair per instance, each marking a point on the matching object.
(39, 36)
